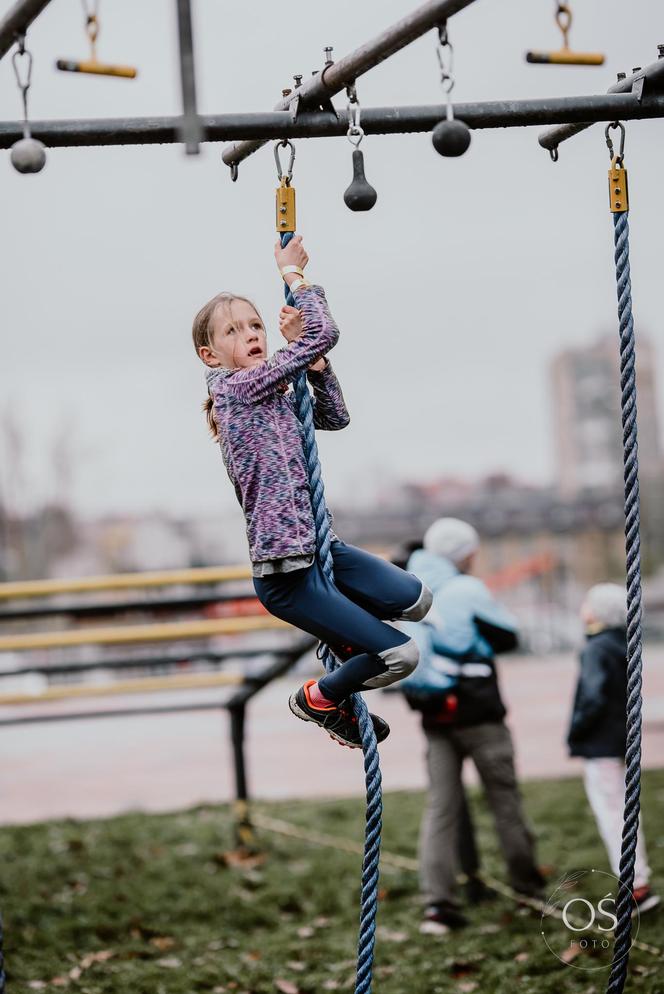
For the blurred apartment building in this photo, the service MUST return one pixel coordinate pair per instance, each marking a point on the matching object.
(587, 420)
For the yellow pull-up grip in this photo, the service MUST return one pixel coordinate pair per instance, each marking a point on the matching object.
(565, 56)
(92, 65)
(96, 68)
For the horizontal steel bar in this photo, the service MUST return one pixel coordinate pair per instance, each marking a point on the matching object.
(378, 120)
(123, 634)
(140, 685)
(251, 687)
(155, 605)
(139, 662)
(642, 82)
(17, 20)
(37, 719)
(337, 75)
(120, 581)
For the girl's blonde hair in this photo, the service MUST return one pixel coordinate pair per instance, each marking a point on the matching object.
(202, 333)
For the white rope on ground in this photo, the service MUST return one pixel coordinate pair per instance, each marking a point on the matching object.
(395, 861)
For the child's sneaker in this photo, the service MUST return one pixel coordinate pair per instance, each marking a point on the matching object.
(338, 721)
(645, 899)
(440, 918)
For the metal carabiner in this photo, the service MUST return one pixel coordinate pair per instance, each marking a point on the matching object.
(609, 144)
(282, 144)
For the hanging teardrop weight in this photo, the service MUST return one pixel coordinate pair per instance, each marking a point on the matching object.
(28, 155)
(360, 195)
(451, 138)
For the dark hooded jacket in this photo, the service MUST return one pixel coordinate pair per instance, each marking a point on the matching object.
(598, 725)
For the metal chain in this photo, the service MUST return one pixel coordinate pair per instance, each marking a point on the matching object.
(445, 55)
(91, 14)
(355, 133)
(24, 83)
(564, 21)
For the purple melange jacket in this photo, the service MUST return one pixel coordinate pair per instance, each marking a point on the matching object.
(261, 436)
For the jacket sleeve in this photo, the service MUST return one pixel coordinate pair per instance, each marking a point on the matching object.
(319, 336)
(590, 697)
(493, 622)
(330, 411)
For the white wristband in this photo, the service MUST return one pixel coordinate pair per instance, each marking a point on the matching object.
(298, 284)
(291, 269)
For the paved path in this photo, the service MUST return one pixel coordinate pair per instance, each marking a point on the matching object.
(87, 769)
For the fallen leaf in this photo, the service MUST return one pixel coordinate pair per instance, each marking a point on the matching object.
(467, 986)
(162, 942)
(390, 935)
(36, 985)
(286, 987)
(99, 957)
(330, 985)
(295, 964)
(170, 962)
(305, 932)
(570, 953)
(521, 957)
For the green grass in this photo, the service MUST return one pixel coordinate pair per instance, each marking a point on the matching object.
(149, 903)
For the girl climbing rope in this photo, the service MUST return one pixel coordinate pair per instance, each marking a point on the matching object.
(251, 414)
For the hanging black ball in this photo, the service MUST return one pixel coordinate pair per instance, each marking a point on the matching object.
(451, 138)
(360, 195)
(28, 155)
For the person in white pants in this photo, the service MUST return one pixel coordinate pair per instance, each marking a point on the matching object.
(598, 727)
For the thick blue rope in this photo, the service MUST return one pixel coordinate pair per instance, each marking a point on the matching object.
(369, 894)
(634, 644)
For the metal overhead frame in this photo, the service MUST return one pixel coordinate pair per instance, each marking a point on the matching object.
(318, 124)
(17, 21)
(307, 110)
(643, 84)
(336, 76)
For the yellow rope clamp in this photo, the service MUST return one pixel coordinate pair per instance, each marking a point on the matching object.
(285, 193)
(618, 192)
(565, 55)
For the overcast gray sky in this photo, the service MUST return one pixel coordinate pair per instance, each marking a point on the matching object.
(451, 295)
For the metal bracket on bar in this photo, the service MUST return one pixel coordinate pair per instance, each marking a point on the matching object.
(648, 81)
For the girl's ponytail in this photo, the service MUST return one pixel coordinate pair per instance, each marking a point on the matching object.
(208, 408)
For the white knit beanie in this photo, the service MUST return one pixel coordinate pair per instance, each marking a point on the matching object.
(607, 603)
(452, 539)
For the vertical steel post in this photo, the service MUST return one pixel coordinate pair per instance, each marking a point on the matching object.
(191, 130)
(244, 833)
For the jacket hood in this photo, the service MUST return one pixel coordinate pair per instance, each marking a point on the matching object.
(433, 570)
(212, 372)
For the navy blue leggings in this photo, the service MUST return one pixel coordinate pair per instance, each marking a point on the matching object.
(347, 615)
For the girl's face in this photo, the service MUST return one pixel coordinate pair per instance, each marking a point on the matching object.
(238, 338)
